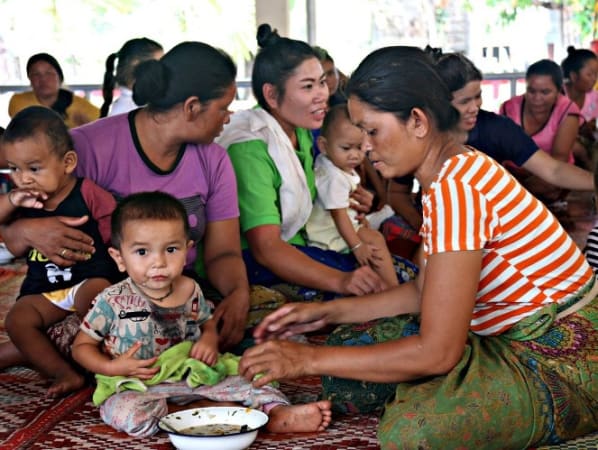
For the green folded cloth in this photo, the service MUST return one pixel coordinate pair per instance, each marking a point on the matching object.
(175, 365)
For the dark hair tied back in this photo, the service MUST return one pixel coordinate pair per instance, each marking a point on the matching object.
(456, 70)
(151, 82)
(575, 60)
(276, 61)
(389, 80)
(108, 84)
(546, 67)
(189, 69)
(266, 36)
(434, 52)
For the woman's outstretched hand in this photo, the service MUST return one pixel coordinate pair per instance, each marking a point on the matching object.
(276, 360)
(290, 320)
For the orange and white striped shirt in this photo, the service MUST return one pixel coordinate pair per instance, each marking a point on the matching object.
(528, 260)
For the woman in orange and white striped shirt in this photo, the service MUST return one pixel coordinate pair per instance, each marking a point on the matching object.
(495, 345)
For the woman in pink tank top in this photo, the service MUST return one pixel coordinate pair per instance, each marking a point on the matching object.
(548, 117)
(580, 69)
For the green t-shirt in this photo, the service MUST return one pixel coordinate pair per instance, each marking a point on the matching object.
(258, 182)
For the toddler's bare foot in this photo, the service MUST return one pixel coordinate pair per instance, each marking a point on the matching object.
(305, 418)
(65, 384)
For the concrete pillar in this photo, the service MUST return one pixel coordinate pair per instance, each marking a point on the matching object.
(274, 12)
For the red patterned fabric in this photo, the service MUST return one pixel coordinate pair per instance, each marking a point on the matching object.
(29, 420)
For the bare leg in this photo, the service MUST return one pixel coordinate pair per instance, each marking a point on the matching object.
(383, 265)
(306, 418)
(10, 356)
(87, 292)
(27, 323)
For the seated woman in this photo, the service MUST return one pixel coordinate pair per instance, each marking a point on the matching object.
(133, 52)
(333, 77)
(46, 77)
(271, 151)
(580, 69)
(549, 118)
(166, 145)
(493, 134)
(494, 345)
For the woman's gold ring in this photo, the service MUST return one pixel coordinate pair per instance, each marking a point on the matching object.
(63, 252)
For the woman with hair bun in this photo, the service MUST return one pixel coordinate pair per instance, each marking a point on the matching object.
(494, 345)
(549, 118)
(580, 69)
(496, 135)
(129, 56)
(166, 145)
(271, 151)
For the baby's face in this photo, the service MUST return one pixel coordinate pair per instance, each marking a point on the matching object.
(344, 145)
(33, 164)
(153, 253)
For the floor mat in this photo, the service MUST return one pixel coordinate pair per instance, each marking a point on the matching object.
(30, 421)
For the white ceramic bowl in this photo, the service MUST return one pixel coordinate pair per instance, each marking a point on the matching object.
(178, 425)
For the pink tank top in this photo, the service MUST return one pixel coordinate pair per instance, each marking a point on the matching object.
(589, 110)
(544, 138)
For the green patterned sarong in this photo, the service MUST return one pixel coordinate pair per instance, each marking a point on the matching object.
(535, 385)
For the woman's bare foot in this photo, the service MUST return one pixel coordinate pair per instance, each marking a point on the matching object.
(305, 418)
(65, 384)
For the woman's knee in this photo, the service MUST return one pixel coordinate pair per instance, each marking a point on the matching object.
(416, 431)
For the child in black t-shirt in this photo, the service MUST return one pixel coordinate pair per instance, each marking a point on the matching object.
(41, 160)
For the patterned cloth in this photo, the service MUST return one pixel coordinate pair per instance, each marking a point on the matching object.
(260, 275)
(122, 316)
(528, 260)
(138, 413)
(535, 385)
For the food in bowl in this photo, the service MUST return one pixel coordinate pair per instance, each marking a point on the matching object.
(213, 428)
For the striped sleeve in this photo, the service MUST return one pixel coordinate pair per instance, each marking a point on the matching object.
(458, 213)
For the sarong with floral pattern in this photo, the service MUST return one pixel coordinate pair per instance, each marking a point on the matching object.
(535, 385)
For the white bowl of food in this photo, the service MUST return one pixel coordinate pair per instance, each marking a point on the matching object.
(213, 428)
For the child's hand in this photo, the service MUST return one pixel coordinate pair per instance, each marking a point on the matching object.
(206, 349)
(27, 198)
(364, 254)
(127, 365)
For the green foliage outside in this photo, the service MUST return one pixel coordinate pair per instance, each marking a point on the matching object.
(583, 12)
